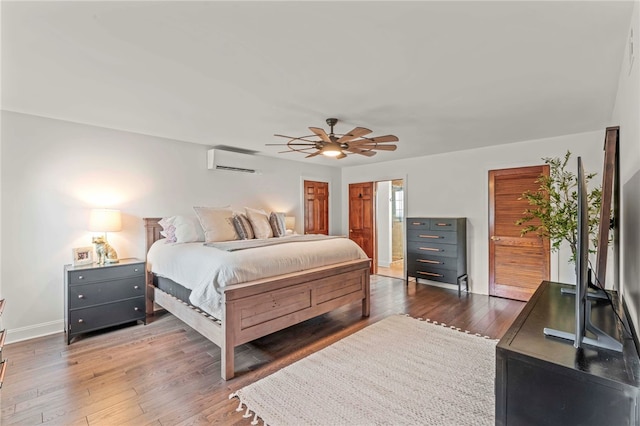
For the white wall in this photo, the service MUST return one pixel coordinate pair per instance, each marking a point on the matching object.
(53, 172)
(626, 114)
(456, 185)
(383, 223)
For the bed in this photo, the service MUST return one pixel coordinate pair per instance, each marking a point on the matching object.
(256, 308)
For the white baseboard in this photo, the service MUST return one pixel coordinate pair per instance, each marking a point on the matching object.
(31, 332)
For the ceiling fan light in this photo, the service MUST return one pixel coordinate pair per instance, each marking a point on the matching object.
(331, 151)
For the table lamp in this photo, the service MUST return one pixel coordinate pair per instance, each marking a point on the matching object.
(290, 223)
(105, 220)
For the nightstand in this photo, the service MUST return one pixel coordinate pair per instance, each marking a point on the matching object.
(100, 296)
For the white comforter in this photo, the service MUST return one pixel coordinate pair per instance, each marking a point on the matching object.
(207, 270)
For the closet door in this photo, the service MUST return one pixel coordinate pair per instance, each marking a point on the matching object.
(517, 265)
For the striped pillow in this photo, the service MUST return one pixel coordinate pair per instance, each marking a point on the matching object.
(243, 227)
(276, 220)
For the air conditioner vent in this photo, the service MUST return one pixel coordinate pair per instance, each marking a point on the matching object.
(229, 161)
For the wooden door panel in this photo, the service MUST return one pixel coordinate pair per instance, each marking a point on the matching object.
(316, 207)
(517, 265)
(361, 218)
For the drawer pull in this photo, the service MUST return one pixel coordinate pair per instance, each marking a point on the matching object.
(430, 236)
(81, 296)
(429, 249)
(80, 277)
(434, 262)
(417, 223)
(135, 270)
(136, 309)
(135, 287)
(431, 274)
(80, 321)
(443, 224)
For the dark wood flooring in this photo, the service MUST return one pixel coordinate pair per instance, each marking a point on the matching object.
(165, 373)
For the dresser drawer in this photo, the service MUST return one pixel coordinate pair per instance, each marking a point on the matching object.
(443, 224)
(436, 274)
(87, 319)
(81, 296)
(418, 223)
(417, 260)
(441, 237)
(431, 248)
(83, 276)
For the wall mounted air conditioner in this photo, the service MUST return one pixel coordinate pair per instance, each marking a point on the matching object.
(218, 159)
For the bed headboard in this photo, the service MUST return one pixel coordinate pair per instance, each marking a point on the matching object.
(152, 230)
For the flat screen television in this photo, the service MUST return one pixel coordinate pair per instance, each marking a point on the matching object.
(582, 303)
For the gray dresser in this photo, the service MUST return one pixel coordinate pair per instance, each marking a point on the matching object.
(97, 297)
(437, 250)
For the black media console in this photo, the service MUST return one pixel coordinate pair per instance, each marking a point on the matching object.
(543, 380)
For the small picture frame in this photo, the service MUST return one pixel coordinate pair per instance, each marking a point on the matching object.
(82, 256)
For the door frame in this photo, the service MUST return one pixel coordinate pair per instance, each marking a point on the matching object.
(491, 226)
(302, 194)
(345, 207)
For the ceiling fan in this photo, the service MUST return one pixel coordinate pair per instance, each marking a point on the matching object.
(337, 145)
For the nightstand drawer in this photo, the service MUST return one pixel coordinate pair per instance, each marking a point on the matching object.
(416, 260)
(87, 319)
(81, 296)
(83, 276)
(433, 236)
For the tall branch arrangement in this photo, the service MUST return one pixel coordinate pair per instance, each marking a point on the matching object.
(555, 207)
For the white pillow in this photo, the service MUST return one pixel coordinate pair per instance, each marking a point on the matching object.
(259, 222)
(188, 229)
(217, 223)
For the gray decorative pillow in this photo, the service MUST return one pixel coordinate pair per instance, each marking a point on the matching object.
(276, 220)
(243, 227)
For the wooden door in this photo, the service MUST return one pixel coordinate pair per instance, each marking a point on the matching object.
(316, 207)
(517, 265)
(362, 218)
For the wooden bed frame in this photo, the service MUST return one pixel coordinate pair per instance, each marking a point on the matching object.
(257, 308)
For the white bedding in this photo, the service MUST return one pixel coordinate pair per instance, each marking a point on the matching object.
(207, 270)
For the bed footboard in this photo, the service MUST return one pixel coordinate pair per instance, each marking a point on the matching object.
(261, 307)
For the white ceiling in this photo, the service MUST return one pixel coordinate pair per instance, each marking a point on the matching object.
(442, 76)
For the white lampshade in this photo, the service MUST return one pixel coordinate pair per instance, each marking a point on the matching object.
(290, 222)
(105, 220)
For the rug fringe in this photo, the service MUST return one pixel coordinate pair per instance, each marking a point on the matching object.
(453, 327)
(248, 413)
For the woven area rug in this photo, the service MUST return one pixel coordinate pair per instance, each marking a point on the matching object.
(399, 371)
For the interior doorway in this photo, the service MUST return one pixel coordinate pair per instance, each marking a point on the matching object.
(390, 215)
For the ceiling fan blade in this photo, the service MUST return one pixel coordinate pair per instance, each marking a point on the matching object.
(358, 150)
(385, 138)
(321, 133)
(313, 154)
(378, 147)
(290, 144)
(355, 133)
(301, 138)
(341, 156)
